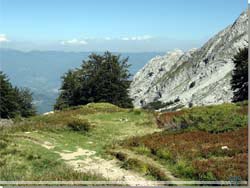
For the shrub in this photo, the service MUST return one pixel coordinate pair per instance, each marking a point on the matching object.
(121, 156)
(156, 105)
(208, 176)
(3, 144)
(144, 168)
(164, 154)
(136, 165)
(143, 150)
(137, 112)
(157, 173)
(2, 162)
(192, 154)
(214, 118)
(192, 85)
(81, 125)
(177, 99)
(185, 169)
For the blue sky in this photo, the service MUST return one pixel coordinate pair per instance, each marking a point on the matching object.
(116, 25)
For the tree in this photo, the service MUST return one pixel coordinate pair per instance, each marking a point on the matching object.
(24, 101)
(14, 101)
(8, 104)
(239, 80)
(102, 78)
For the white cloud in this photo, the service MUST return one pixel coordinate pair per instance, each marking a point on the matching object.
(138, 38)
(74, 42)
(3, 38)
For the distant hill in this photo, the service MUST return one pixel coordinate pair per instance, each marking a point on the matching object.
(41, 70)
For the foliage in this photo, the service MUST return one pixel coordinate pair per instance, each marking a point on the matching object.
(121, 156)
(192, 85)
(214, 118)
(156, 105)
(136, 111)
(204, 143)
(184, 169)
(145, 168)
(14, 101)
(239, 80)
(142, 150)
(24, 99)
(81, 125)
(164, 154)
(136, 165)
(102, 78)
(194, 153)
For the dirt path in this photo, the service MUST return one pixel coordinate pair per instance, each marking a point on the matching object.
(109, 169)
(85, 161)
(44, 144)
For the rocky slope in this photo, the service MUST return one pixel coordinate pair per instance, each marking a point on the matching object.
(197, 77)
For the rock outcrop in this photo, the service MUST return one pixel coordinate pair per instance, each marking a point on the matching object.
(197, 77)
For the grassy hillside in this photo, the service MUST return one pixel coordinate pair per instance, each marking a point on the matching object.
(37, 148)
(104, 142)
(202, 143)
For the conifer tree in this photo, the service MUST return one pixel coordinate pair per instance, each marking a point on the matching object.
(239, 80)
(14, 101)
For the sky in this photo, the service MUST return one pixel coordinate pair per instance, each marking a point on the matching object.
(114, 25)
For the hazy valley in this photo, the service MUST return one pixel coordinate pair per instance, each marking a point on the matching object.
(41, 71)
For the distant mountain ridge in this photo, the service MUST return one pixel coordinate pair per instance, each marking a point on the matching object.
(197, 77)
(41, 70)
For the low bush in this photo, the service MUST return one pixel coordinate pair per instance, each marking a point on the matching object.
(191, 154)
(214, 118)
(137, 112)
(192, 85)
(80, 125)
(2, 162)
(164, 154)
(3, 144)
(145, 168)
(157, 173)
(121, 156)
(136, 165)
(156, 105)
(184, 169)
(143, 150)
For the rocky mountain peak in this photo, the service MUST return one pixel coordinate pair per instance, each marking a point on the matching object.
(196, 77)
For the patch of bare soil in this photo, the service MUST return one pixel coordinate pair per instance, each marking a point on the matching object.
(85, 161)
(109, 169)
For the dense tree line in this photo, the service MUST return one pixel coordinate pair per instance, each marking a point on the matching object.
(239, 80)
(102, 78)
(14, 101)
